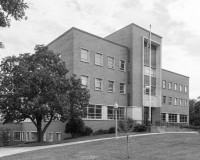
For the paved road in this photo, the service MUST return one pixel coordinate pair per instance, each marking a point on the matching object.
(16, 150)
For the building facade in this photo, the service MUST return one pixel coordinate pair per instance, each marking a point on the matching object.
(117, 69)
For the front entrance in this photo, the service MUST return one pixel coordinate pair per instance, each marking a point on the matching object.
(146, 115)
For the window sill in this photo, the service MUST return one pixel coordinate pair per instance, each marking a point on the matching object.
(99, 65)
(98, 90)
(122, 70)
(111, 92)
(122, 93)
(84, 61)
(111, 68)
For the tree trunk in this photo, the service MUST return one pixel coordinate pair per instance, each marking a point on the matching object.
(39, 129)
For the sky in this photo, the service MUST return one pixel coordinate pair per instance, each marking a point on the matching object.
(177, 21)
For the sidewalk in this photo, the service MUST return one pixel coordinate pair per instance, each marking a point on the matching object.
(16, 150)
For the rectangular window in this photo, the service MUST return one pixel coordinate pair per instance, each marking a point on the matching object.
(98, 84)
(84, 81)
(181, 102)
(183, 118)
(172, 117)
(99, 59)
(181, 88)
(27, 136)
(16, 136)
(186, 89)
(147, 87)
(84, 55)
(175, 101)
(170, 85)
(175, 86)
(111, 62)
(185, 103)
(147, 71)
(50, 137)
(58, 135)
(122, 65)
(164, 84)
(170, 100)
(110, 86)
(163, 117)
(122, 88)
(111, 112)
(94, 111)
(164, 100)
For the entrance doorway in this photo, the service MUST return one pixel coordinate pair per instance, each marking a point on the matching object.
(146, 115)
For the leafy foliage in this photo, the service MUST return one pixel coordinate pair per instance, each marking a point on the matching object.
(4, 136)
(194, 112)
(128, 125)
(88, 131)
(75, 125)
(11, 9)
(35, 87)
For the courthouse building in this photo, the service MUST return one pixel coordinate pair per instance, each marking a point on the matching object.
(117, 69)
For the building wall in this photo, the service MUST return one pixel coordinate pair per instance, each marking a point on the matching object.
(64, 45)
(133, 37)
(97, 45)
(169, 76)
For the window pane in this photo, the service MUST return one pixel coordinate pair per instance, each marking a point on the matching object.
(122, 65)
(84, 55)
(122, 88)
(98, 84)
(84, 81)
(98, 58)
(110, 62)
(111, 86)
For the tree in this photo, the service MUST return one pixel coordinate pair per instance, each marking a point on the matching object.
(78, 97)
(35, 87)
(194, 112)
(11, 9)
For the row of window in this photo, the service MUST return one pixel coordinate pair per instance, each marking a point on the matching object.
(21, 136)
(95, 112)
(177, 101)
(99, 84)
(98, 60)
(175, 86)
(173, 118)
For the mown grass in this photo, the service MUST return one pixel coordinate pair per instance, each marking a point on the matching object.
(152, 147)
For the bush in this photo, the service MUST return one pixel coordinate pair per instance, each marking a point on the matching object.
(111, 130)
(100, 131)
(139, 128)
(75, 125)
(127, 125)
(4, 136)
(88, 131)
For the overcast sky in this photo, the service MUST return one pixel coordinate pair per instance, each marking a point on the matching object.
(177, 21)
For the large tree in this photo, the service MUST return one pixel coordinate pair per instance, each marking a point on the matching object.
(35, 87)
(194, 112)
(11, 9)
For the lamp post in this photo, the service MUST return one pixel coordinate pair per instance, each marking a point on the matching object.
(116, 107)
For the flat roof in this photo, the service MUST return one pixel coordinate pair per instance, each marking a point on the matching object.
(73, 28)
(175, 73)
(136, 26)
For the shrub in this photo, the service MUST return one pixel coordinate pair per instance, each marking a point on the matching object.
(75, 125)
(4, 136)
(139, 128)
(111, 130)
(127, 125)
(100, 131)
(88, 131)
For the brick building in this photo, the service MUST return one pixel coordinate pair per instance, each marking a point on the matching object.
(116, 69)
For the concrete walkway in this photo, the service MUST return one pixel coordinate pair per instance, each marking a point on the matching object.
(15, 150)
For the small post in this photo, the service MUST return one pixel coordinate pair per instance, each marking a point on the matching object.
(116, 107)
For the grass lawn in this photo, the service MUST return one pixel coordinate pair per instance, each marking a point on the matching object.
(152, 147)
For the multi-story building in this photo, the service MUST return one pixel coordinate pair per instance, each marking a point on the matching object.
(117, 69)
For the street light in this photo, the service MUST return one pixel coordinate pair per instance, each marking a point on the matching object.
(116, 107)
